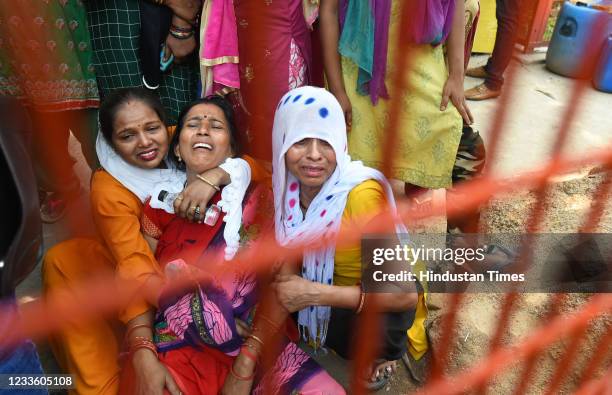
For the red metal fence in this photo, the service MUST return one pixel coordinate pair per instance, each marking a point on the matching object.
(41, 318)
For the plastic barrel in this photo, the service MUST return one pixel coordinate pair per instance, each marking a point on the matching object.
(603, 72)
(579, 34)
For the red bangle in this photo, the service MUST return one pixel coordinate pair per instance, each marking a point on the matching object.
(239, 377)
(143, 340)
(133, 328)
(138, 346)
(244, 350)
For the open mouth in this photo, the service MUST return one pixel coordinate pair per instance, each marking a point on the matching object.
(203, 146)
(313, 171)
(148, 155)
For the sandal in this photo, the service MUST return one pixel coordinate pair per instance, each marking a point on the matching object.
(496, 257)
(54, 205)
(418, 369)
(52, 208)
(492, 250)
(381, 380)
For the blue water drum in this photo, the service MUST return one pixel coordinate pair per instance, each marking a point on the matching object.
(603, 72)
(578, 37)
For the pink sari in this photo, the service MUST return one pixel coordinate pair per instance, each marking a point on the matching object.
(219, 48)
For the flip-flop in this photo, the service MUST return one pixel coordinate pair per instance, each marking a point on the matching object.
(164, 64)
(418, 369)
(382, 380)
(496, 248)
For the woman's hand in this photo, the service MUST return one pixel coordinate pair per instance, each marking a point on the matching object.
(151, 375)
(295, 293)
(235, 386)
(186, 9)
(179, 48)
(242, 328)
(347, 108)
(453, 90)
(199, 193)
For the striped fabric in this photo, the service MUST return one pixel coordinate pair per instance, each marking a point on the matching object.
(114, 27)
(470, 159)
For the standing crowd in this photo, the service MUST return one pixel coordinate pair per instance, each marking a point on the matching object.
(211, 123)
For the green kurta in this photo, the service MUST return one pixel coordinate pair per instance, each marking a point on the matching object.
(115, 35)
(45, 55)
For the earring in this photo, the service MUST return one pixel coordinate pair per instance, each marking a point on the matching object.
(178, 157)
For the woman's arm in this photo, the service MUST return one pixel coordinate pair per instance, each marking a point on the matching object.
(151, 376)
(296, 293)
(116, 213)
(180, 48)
(151, 241)
(268, 325)
(267, 329)
(366, 203)
(187, 10)
(199, 193)
(453, 89)
(330, 36)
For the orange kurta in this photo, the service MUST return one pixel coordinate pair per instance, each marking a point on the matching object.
(90, 350)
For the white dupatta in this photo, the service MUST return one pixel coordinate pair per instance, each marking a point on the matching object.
(309, 112)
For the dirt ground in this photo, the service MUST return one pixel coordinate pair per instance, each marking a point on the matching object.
(567, 204)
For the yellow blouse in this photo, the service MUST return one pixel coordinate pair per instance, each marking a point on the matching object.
(364, 203)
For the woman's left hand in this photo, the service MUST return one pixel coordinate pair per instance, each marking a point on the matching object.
(199, 193)
(185, 9)
(453, 90)
(243, 329)
(180, 48)
(295, 293)
(233, 385)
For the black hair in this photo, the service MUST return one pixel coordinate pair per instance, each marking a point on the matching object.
(228, 112)
(115, 100)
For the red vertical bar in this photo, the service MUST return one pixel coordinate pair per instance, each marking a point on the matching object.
(537, 25)
(553, 309)
(566, 362)
(600, 353)
(448, 324)
(368, 329)
(401, 85)
(600, 197)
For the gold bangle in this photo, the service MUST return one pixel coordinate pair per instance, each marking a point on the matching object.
(251, 346)
(208, 182)
(258, 340)
(361, 303)
(133, 328)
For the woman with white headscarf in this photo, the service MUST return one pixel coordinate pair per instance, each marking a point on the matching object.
(318, 192)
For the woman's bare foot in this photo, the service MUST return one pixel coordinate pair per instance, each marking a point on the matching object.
(383, 368)
(381, 371)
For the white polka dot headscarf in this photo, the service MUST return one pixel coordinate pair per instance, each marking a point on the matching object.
(309, 112)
